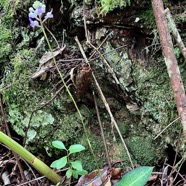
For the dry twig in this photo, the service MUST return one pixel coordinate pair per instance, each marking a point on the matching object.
(175, 32)
(39, 108)
(113, 121)
(167, 127)
(102, 133)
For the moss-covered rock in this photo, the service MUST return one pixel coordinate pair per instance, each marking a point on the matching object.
(142, 151)
(136, 86)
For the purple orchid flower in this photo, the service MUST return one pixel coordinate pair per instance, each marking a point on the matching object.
(33, 13)
(34, 23)
(41, 9)
(36, 12)
(49, 15)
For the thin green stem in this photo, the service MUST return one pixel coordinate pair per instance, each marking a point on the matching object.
(72, 98)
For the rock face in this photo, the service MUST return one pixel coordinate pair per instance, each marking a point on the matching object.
(125, 55)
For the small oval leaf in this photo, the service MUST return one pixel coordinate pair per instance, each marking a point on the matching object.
(76, 148)
(69, 173)
(75, 174)
(58, 144)
(77, 165)
(82, 172)
(60, 163)
(136, 177)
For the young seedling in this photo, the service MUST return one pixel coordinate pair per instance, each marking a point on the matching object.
(74, 167)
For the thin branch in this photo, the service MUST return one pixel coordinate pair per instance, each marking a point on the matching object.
(100, 45)
(102, 133)
(113, 122)
(176, 155)
(39, 108)
(97, 49)
(106, 63)
(176, 172)
(175, 32)
(167, 127)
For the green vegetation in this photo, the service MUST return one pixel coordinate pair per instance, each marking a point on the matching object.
(147, 17)
(143, 151)
(109, 5)
(30, 158)
(74, 167)
(147, 84)
(5, 34)
(136, 177)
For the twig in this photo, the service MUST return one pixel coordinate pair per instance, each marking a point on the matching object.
(177, 172)
(175, 32)
(166, 127)
(92, 59)
(30, 168)
(39, 108)
(113, 122)
(164, 175)
(97, 49)
(100, 45)
(106, 63)
(41, 177)
(177, 149)
(179, 165)
(102, 133)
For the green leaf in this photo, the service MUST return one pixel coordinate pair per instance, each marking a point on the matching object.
(77, 165)
(69, 173)
(58, 144)
(136, 177)
(82, 172)
(75, 174)
(76, 148)
(60, 163)
(31, 135)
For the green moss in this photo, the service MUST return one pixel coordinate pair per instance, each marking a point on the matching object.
(159, 108)
(109, 5)
(86, 157)
(180, 18)
(5, 46)
(24, 95)
(142, 150)
(121, 65)
(5, 34)
(148, 18)
(154, 92)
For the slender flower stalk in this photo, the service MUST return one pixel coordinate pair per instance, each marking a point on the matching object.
(71, 96)
(35, 18)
